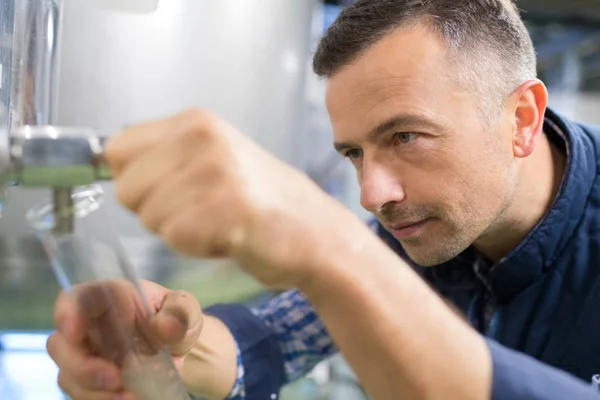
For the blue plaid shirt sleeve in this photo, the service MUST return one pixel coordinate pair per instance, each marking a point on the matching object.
(277, 342)
(238, 392)
(302, 336)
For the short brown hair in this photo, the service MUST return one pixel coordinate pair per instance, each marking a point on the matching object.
(487, 37)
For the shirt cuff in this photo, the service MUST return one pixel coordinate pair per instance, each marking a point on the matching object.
(518, 376)
(239, 388)
(260, 362)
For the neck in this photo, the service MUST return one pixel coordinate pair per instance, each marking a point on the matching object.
(540, 178)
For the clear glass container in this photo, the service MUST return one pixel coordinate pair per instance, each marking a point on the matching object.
(91, 265)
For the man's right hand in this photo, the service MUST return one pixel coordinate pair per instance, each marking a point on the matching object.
(89, 344)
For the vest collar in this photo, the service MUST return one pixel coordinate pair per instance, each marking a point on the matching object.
(538, 251)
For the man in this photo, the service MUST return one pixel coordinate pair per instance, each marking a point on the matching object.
(488, 195)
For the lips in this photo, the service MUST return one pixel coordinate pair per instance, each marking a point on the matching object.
(405, 225)
(407, 230)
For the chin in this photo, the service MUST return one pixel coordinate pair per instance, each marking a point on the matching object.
(427, 261)
(427, 255)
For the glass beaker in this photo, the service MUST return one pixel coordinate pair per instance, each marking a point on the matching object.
(91, 265)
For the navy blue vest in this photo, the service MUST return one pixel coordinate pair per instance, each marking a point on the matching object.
(543, 299)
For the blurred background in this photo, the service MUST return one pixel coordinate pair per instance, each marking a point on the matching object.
(248, 60)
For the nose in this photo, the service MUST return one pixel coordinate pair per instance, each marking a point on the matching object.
(378, 186)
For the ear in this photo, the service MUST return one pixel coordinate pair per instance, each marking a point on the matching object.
(530, 102)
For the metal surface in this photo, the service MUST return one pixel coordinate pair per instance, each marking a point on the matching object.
(127, 6)
(31, 98)
(120, 69)
(63, 216)
(58, 157)
(35, 63)
(31, 94)
(7, 18)
(246, 60)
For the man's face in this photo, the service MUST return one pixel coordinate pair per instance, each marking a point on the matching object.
(430, 168)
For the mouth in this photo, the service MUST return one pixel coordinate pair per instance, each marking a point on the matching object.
(407, 230)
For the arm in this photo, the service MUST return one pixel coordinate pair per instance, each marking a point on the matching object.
(399, 337)
(276, 343)
(210, 368)
(302, 336)
(404, 342)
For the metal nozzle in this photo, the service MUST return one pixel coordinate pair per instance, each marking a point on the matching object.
(63, 210)
(59, 158)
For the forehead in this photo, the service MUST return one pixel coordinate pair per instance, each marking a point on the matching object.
(406, 71)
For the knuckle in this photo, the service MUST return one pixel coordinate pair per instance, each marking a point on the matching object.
(148, 219)
(111, 151)
(64, 383)
(196, 122)
(170, 234)
(186, 298)
(60, 306)
(123, 195)
(51, 346)
(194, 114)
(214, 173)
(180, 294)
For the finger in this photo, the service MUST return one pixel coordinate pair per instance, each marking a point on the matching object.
(109, 310)
(122, 149)
(96, 299)
(159, 165)
(179, 321)
(212, 228)
(132, 142)
(86, 371)
(154, 294)
(75, 392)
(67, 318)
(173, 194)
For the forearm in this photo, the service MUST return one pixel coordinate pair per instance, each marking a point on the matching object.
(210, 369)
(400, 338)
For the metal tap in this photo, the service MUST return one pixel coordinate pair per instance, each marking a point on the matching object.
(34, 151)
(61, 158)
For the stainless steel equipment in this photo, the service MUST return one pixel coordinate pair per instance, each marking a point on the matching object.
(38, 153)
(31, 36)
(245, 60)
(116, 69)
(57, 157)
(33, 150)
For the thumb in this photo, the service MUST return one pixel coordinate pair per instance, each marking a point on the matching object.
(179, 322)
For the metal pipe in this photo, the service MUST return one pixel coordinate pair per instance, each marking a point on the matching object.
(35, 77)
(63, 210)
(35, 63)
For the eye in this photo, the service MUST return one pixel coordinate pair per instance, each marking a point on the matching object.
(403, 138)
(353, 154)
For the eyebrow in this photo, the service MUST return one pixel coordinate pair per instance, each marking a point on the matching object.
(403, 121)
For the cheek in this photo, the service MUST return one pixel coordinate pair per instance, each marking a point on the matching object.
(438, 166)
(459, 176)
(480, 189)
